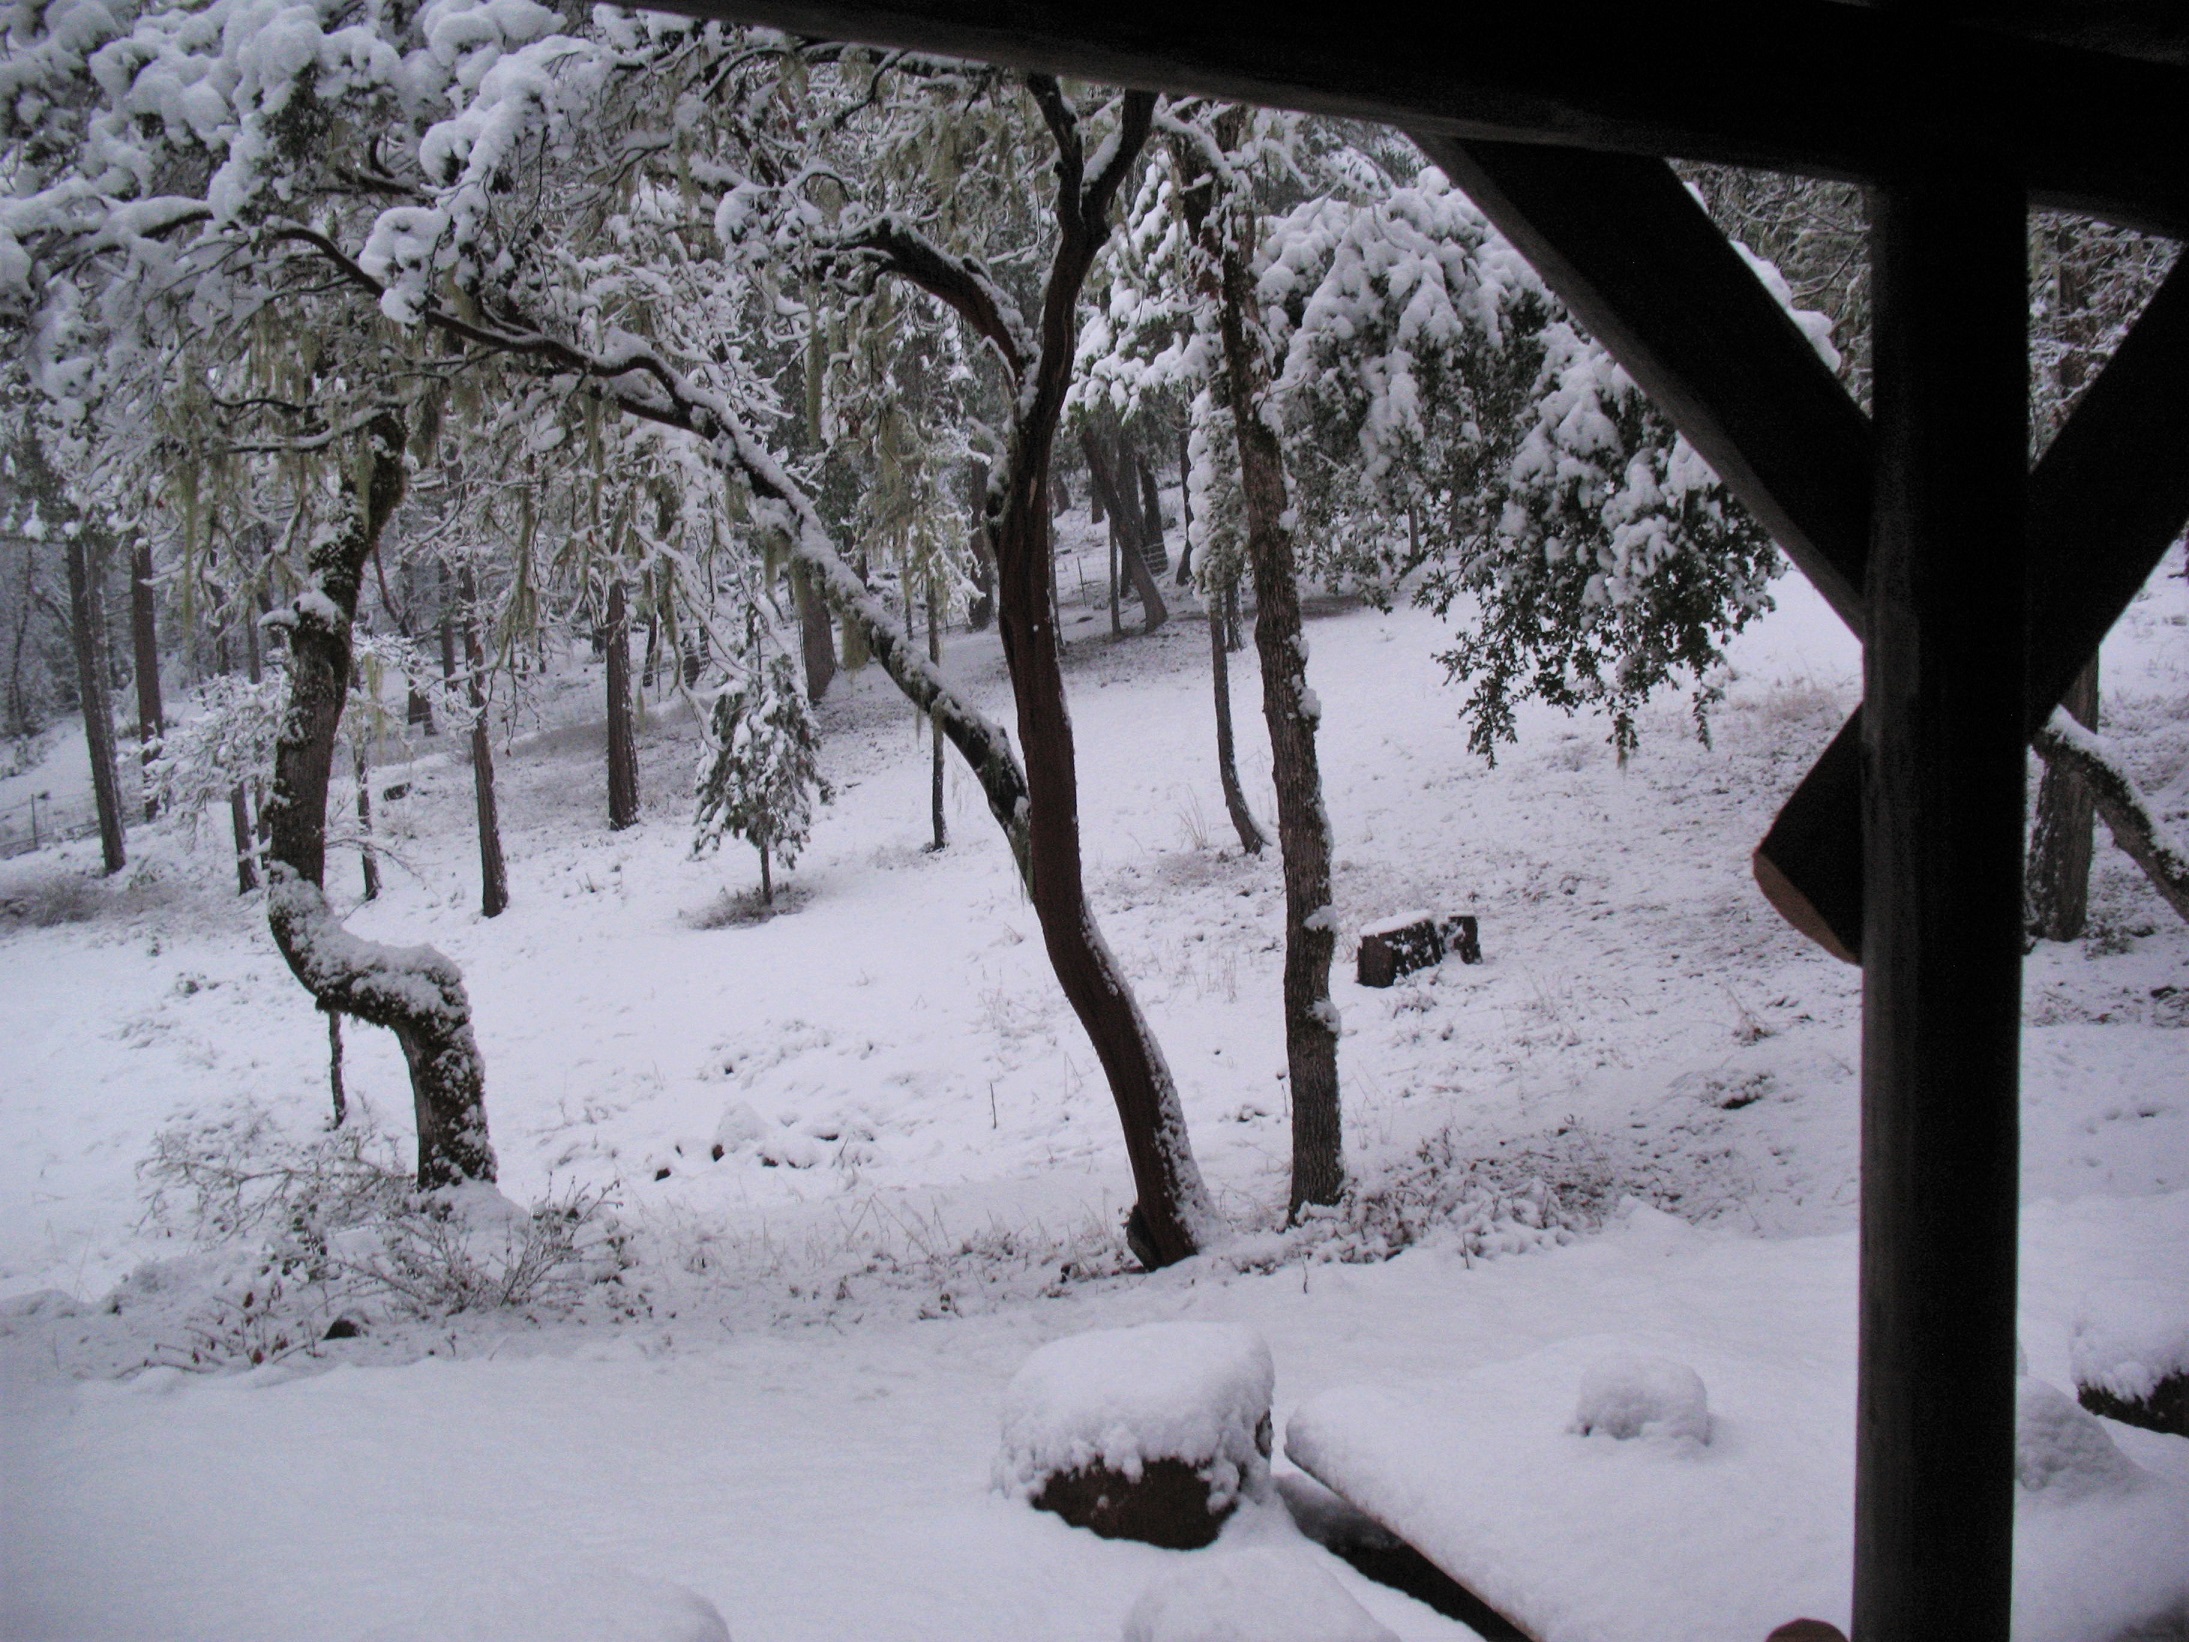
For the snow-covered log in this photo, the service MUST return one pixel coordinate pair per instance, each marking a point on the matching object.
(2135, 825)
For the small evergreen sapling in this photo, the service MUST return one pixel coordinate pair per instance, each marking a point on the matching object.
(761, 779)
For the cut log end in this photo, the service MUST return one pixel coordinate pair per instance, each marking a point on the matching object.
(1796, 908)
(2165, 1409)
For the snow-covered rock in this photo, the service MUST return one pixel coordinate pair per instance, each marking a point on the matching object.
(2131, 1354)
(1176, 1414)
(740, 1125)
(1265, 1594)
(2060, 1450)
(1642, 1397)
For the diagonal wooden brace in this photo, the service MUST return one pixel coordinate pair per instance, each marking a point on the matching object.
(1628, 250)
(2109, 496)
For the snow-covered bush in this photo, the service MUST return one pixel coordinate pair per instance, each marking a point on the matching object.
(332, 1221)
(228, 743)
(760, 778)
(1628, 1397)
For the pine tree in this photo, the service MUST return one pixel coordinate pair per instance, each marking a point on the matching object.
(764, 773)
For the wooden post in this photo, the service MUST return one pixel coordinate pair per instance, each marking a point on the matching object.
(1942, 756)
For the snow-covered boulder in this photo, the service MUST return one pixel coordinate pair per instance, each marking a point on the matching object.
(1266, 1594)
(1147, 1433)
(2060, 1450)
(740, 1126)
(1627, 1397)
(2131, 1355)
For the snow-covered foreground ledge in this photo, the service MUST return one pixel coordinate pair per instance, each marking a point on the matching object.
(831, 1484)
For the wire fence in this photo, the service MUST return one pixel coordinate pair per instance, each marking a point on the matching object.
(41, 821)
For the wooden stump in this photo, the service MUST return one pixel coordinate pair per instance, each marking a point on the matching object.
(1415, 940)
(1463, 935)
(1398, 946)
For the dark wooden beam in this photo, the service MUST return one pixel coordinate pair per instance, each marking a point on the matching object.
(1942, 747)
(1801, 85)
(2109, 496)
(1631, 254)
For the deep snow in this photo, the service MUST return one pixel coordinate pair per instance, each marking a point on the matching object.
(789, 1405)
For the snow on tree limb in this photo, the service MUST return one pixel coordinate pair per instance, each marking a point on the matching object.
(2136, 827)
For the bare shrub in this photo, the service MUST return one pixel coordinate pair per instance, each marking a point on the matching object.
(332, 1222)
(54, 898)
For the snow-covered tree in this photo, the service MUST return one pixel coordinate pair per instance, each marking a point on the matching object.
(762, 775)
(1452, 424)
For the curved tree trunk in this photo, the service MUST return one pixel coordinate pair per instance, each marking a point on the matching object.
(1173, 1218)
(2060, 849)
(414, 992)
(622, 744)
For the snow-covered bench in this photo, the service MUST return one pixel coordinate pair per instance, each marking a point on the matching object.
(1640, 1515)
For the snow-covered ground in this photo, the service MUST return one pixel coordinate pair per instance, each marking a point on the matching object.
(789, 1401)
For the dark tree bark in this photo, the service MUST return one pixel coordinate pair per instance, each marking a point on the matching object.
(239, 818)
(493, 870)
(1288, 705)
(87, 633)
(934, 784)
(816, 635)
(1109, 480)
(334, 1068)
(414, 992)
(1227, 760)
(87, 618)
(983, 608)
(447, 633)
(145, 632)
(1117, 619)
(1185, 508)
(2061, 846)
(1037, 806)
(622, 743)
(366, 858)
(1153, 549)
(1173, 1218)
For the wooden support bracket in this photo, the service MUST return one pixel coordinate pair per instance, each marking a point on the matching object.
(2108, 498)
